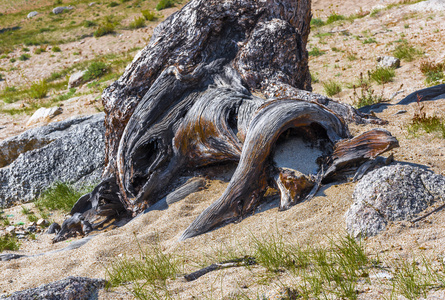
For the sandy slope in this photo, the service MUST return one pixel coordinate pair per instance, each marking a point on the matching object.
(314, 222)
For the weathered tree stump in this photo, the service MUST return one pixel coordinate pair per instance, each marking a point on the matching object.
(187, 101)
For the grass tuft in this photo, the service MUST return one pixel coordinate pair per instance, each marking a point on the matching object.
(165, 4)
(406, 52)
(317, 22)
(428, 124)
(149, 15)
(316, 52)
(60, 196)
(106, 27)
(24, 57)
(148, 273)
(95, 70)
(382, 75)
(9, 242)
(138, 22)
(38, 89)
(434, 72)
(334, 17)
(56, 49)
(331, 87)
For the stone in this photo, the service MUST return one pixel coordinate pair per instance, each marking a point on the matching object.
(393, 193)
(44, 115)
(91, 4)
(31, 229)
(68, 288)
(42, 222)
(10, 229)
(429, 5)
(70, 151)
(54, 228)
(32, 14)
(76, 79)
(61, 9)
(388, 62)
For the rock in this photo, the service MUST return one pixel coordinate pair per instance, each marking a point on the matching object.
(91, 4)
(76, 79)
(54, 228)
(61, 9)
(31, 229)
(10, 256)
(42, 222)
(10, 229)
(32, 14)
(68, 288)
(388, 62)
(429, 5)
(392, 193)
(44, 115)
(68, 151)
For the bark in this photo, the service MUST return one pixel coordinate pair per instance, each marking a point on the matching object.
(187, 101)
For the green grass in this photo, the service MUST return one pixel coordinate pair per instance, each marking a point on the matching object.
(382, 75)
(138, 22)
(369, 41)
(56, 49)
(434, 72)
(60, 196)
(24, 57)
(406, 52)
(317, 22)
(104, 28)
(95, 70)
(87, 23)
(149, 15)
(38, 89)
(32, 218)
(334, 17)
(428, 124)
(147, 273)
(112, 4)
(8, 242)
(165, 4)
(65, 96)
(316, 52)
(331, 87)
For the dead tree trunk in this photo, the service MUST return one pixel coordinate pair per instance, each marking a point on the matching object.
(186, 101)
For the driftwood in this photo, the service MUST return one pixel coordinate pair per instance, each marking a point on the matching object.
(191, 98)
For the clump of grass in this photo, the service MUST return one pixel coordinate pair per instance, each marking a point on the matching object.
(382, 75)
(87, 23)
(38, 89)
(412, 282)
(428, 124)
(32, 218)
(149, 15)
(165, 4)
(331, 87)
(334, 17)
(9, 242)
(39, 50)
(316, 52)
(12, 60)
(138, 22)
(60, 196)
(351, 56)
(406, 51)
(25, 49)
(56, 49)
(95, 70)
(106, 27)
(66, 96)
(369, 41)
(24, 57)
(148, 273)
(8, 95)
(112, 4)
(317, 22)
(434, 72)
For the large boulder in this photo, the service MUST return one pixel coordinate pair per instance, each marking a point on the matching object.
(69, 151)
(392, 193)
(68, 288)
(61, 9)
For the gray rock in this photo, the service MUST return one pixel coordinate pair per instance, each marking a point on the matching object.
(429, 5)
(61, 9)
(392, 193)
(388, 62)
(10, 229)
(76, 79)
(69, 151)
(44, 115)
(32, 14)
(68, 288)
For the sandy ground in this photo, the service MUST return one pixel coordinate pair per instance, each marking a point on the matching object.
(313, 222)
